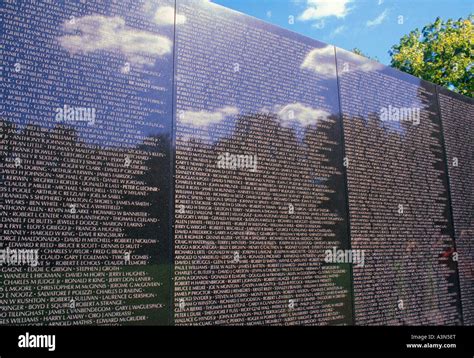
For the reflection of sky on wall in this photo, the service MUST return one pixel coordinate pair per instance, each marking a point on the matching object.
(139, 35)
(87, 66)
(249, 79)
(348, 63)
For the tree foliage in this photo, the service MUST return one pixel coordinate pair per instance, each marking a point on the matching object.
(443, 53)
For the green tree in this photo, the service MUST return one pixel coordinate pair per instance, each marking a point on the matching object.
(443, 53)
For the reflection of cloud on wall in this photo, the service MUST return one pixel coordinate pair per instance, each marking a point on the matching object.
(164, 15)
(203, 118)
(298, 114)
(321, 61)
(359, 63)
(101, 33)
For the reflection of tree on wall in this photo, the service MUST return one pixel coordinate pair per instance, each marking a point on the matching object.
(405, 280)
(248, 213)
(110, 199)
(457, 113)
(156, 174)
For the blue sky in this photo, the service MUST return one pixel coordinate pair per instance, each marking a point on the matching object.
(370, 25)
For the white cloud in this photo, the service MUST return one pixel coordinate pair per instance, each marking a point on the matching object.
(300, 115)
(321, 61)
(204, 118)
(101, 33)
(338, 30)
(378, 20)
(164, 15)
(317, 9)
(319, 24)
